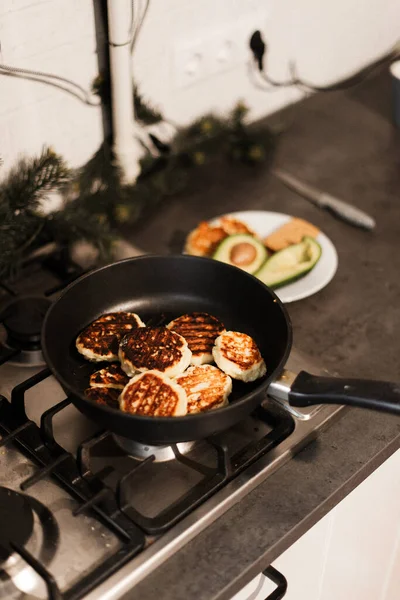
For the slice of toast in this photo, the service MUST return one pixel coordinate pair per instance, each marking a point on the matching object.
(290, 233)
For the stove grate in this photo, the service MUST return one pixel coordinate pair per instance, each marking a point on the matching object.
(40, 446)
(228, 466)
(53, 591)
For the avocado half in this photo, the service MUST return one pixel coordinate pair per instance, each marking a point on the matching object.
(242, 250)
(290, 264)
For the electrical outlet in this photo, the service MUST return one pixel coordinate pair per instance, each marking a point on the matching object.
(220, 50)
(189, 62)
(224, 50)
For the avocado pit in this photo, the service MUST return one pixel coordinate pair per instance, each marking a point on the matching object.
(243, 254)
(242, 251)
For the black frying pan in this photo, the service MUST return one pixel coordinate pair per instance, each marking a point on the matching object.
(175, 285)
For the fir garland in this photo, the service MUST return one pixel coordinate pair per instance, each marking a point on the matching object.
(95, 203)
(145, 113)
(167, 174)
(23, 225)
(20, 221)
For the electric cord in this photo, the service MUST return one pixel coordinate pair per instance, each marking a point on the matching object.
(42, 77)
(139, 24)
(258, 48)
(59, 82)
(131, 30)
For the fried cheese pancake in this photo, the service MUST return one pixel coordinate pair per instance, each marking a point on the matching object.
(104, 395)
(153, 394)
(237, 355)
(111, 376)
(154, 348)
(206, 388)
(99, 341)
(200, 330)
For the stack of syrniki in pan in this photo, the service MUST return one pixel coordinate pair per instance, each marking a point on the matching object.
(167, 371)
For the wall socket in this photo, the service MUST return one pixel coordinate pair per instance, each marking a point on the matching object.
(221, 49)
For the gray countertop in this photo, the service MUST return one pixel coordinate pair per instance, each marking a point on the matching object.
(345, 144)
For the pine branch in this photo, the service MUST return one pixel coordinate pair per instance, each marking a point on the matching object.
(17, 236)
(76, 222)
(99, 173)
(145, 112)
(21, 224)
(31, 178)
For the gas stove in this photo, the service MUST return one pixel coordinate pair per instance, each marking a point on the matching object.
(83, 515)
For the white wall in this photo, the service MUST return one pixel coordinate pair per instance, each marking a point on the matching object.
(55, 36)
(328, 39)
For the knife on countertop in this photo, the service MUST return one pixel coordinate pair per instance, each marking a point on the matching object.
(341, 209)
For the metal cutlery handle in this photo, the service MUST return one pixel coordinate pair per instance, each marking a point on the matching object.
(344, 210)
(347, 212)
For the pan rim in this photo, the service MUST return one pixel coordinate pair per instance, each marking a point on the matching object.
(186, 418)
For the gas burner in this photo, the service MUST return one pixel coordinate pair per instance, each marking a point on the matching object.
(22, 320)
(16, 521)
(26, 526)
(143, 451)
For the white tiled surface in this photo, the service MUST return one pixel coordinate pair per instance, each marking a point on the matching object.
(327, 39)
(352, 553)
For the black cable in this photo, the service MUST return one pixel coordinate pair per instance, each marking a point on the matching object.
(258, 48)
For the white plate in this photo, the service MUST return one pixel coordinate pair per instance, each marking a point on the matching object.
(263, 223)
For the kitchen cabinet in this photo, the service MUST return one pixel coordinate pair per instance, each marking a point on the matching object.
(353, 552)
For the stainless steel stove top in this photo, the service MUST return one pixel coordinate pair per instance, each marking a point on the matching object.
(103, 519)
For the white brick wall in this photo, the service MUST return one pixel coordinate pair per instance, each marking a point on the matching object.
(56, 36)
(327, 39)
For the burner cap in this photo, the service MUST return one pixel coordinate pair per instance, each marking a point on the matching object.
(143, 451)
(16, 521)
(23, 320)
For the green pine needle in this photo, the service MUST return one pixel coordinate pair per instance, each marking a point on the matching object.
(29, 181)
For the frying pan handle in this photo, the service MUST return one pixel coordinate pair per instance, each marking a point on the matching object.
(305, 390)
